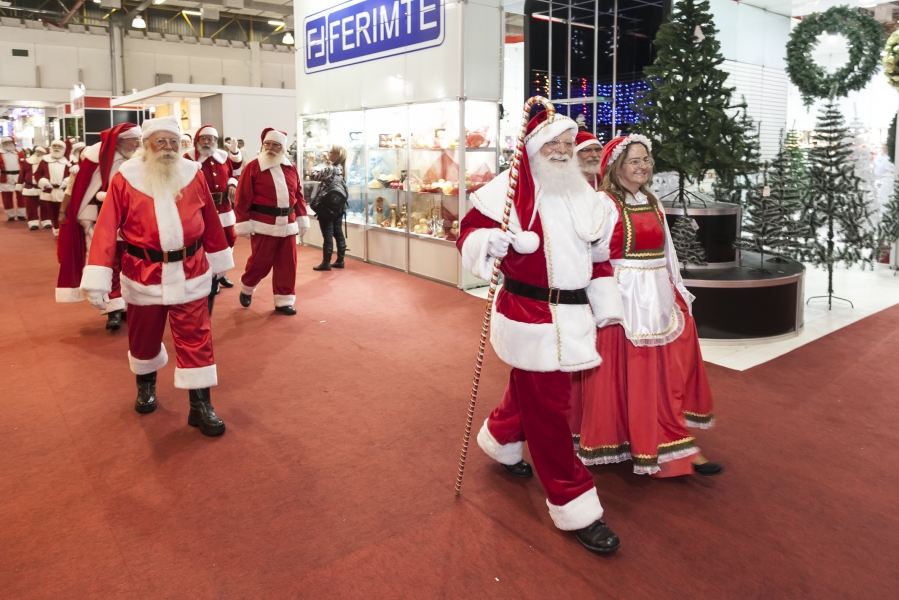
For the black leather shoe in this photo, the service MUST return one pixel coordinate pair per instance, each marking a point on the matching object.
(202, 415)
(338, 264)
(708, 469)
(21, 218)
(124, 315)
(48, 226)
(226, 283)
(520, 469)
(10, 218)
(324, 266)
(286, 310)
(114, 320)
(146, 393)
(598, 538)
(245, 300)
(33, 228)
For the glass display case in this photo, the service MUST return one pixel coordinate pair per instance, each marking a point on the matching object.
(407, 167)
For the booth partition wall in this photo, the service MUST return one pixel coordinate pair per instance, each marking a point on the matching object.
(588, 56)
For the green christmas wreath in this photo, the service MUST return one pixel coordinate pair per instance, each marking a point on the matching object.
(890, 58)
(865, 36)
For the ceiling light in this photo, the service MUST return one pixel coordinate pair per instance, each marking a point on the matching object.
(278, 23)
(158, 1)
(139, 23)
(192, 12)
(288, 39)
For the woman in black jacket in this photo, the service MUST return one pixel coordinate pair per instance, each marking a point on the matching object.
(329, 205)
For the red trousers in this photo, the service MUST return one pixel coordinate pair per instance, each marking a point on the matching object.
(272, 253)
(191, 333)
(50, 214)
(14, 204)
(33, 211)
(535, 407)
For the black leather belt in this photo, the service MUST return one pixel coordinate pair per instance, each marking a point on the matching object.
(550, 295)
(164, 257)
(55, 186)
(217, 197)
(272, 211)
(2, 172)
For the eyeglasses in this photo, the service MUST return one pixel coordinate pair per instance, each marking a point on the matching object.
(636, 162)
(206, 139)
(590, 150)
(162, 142)
(272, 146)
(555, 143)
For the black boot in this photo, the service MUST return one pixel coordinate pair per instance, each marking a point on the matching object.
(225, 282)
(21, 218)
(245, 300)
(201, 413)
(286, 310)
(326, 264)
(521, 469)
(341, 252)
(114, 320)
(598, 538)
(146, 393)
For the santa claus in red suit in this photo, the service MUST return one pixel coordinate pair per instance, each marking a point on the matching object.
(588, 151)
(79, 211)
(218, 167)
(271, 211)
(9, 177)
(162, 207)
(542, 324)
(28, 186)
(75, 156)
(52, 176)
(187, 142)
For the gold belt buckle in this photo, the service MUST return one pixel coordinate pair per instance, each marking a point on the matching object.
(558, 293)
(165, 255)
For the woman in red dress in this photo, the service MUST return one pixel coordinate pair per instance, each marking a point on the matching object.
(652, 383)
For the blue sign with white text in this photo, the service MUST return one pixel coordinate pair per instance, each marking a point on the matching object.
(362, 30)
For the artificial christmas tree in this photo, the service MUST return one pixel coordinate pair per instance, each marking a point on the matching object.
(689, 250)
(888, 228)
(746, 174)
(835, 201)
(786, 180)
(688, 111)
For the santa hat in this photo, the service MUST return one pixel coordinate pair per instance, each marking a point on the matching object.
(584, 139)
(4, 139)
(168, 124)
(207, 130)
(108, 141)
(270, 134)
(614, 148)
(541, 129)
(58, 144)
(187, 135)
(39, 149)
(78, 146)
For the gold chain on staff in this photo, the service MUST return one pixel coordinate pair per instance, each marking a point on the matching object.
(494, 280)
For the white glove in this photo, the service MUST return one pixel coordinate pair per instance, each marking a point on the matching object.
(97, 299)
(599, 253)
(302, 225)
(232, 146)
(498, 243)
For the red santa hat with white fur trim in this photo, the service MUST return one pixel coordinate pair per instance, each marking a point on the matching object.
(207, 130)
(584, 139)
(270, 134)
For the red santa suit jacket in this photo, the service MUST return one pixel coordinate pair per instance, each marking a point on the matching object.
(219, 172)
(52, 176)
(158, 223)
(9, 171)
(277, 186)
(26, 177)
(530, 334)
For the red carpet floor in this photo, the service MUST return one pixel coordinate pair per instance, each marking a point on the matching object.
(335, 477)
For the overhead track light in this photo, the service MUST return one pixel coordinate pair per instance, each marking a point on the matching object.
(288, 39)
(139, 23)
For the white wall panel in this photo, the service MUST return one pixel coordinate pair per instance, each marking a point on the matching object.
(95, 69)
(140, 71)
(765, 91)
(206, 70)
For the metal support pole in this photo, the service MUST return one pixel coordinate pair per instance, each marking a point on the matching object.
(549, 63)
(615, 70)
(595, 60)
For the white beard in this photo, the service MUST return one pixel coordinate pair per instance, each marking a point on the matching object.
(57, 154)
(205, 151)
(589, 169)
(267, 160)
(163, 178)
(557, 178)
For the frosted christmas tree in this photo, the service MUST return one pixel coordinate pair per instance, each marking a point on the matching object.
(689, 250)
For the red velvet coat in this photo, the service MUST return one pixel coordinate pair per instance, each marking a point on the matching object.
(26, 177)
(52, 172)
(159, 223)
(276, 186)
(219, 172)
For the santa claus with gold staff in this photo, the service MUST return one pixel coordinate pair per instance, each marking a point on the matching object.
(539, 224)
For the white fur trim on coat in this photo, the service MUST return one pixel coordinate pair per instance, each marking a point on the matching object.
(113, 305)
(196, 378)
(145, 367)
(475, 258)
(605, 301)
(220, 261)
(577, 514)
(244, 228)
(504, 454)
(69, 295)
(232, 181)
(97, 278)
(284, 229)
(281, 300)
(227, 219)
(246, 290)
(151, 295)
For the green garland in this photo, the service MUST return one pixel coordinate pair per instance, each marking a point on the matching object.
(890, 58)
(865, 36)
